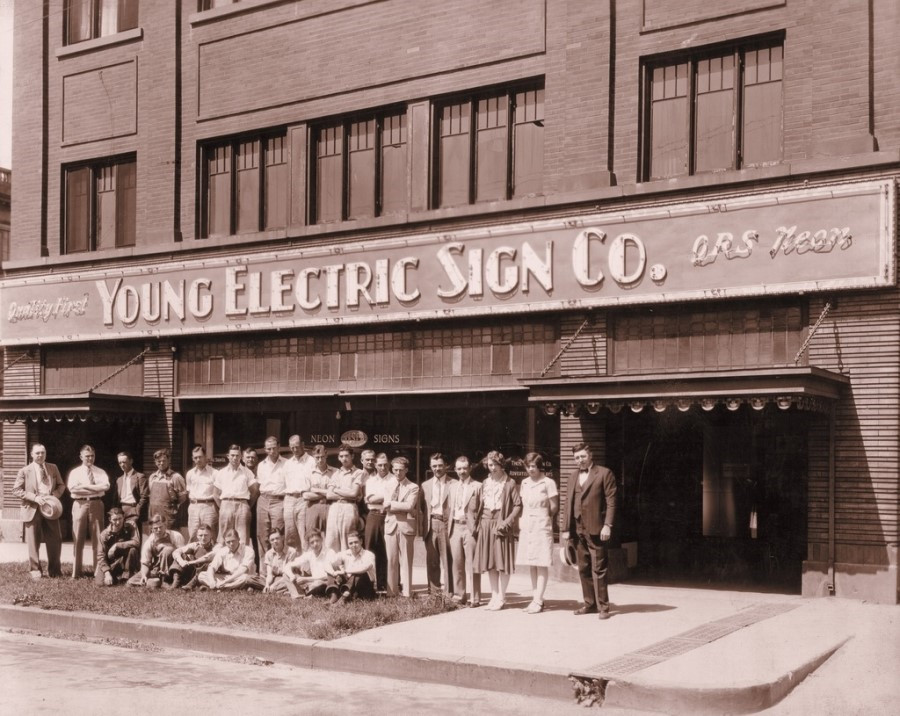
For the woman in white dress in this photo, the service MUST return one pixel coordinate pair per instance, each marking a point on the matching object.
(540, 503)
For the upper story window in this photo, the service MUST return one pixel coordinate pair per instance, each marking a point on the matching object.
(713, 111)
(489, 146)
(244, 185)
(88, 19)
(211, 4)
(100, 205)
(360, 167)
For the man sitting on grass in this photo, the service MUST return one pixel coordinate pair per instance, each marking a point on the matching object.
(276, 559)
(356, 575)
(156, 554)
(231, 567)
(317, 578)
(117, 551)
(189, 561)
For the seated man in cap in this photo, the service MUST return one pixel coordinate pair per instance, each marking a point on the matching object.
(317, 576)
(156, 554)
(356, 574)
(117, 552)
(190, 560)
(232, 567)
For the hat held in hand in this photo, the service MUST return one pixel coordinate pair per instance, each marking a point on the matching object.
(51, 508)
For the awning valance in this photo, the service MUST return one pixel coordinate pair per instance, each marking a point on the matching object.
(78, 406)
(806, 388)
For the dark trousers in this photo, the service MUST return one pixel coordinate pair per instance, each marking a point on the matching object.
(122, 567)
(375, 544)
(358, 586)
(592, 568)
(269, 515)
(438, 558)
(38, 530)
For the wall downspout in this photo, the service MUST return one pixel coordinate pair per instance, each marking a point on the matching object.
(831, 478)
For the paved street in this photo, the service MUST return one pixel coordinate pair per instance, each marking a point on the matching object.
(61, 677)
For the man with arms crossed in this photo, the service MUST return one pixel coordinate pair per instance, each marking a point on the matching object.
(296, 482)
(400, 527)
(376, 497)
(87, 484)
(270, 505)
(590, 513)
(200, 480)
(34, 484)
(237, 489)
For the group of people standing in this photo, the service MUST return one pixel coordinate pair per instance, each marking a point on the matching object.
(339, 531)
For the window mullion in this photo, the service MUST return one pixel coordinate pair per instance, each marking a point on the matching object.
(261, 182)
(738, 109)
(345, 170)
(473, 149)
(233, 179)
(692, 116)
(379, 136)
(92, 208)
(510, 143)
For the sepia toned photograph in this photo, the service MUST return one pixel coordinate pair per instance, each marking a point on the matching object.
(449, 357)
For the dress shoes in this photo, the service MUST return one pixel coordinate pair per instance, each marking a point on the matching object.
(604, 614)
(585, 610)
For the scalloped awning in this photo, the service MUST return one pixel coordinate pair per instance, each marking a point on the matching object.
(78, 406)
(806, 388)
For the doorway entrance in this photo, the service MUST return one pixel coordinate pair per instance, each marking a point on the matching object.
(713, 497)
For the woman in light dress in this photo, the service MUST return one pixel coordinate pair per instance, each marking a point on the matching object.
(496, 544)
(540, 503)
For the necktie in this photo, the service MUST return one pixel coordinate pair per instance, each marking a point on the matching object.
(45, 479)
(90, 476)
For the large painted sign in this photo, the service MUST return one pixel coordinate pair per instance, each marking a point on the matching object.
(822, 239)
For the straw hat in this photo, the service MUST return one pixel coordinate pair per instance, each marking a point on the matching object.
(51, 508)
(567, 555)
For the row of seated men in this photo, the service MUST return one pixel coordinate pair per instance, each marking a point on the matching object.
(164, 559)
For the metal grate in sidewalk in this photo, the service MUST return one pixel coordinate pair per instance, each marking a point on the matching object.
(687, 641)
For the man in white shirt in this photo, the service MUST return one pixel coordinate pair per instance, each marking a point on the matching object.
(87, 484)
(156, 554)
(376, 497)
(356, 574)
(237, 488)
(296, 482)
(434, 513)
(317, 576)
(465, 501)
(203, 508)
(271, 475)
(231, 567)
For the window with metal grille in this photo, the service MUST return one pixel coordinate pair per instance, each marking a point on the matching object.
(489, 146)
(360, 167)
(244, 185)
(712, 111)
(88, 19)
(100, 205)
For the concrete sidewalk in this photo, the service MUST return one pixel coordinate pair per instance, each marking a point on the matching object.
(665, 649)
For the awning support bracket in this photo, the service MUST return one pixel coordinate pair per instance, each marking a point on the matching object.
(566, 346)
(825, 309)
(122, 369)
(26, 354)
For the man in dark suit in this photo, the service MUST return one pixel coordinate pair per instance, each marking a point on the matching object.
(33, 485)
(590, 514)
(132, 491)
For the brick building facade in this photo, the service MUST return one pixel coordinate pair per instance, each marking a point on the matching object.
(468, 226)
